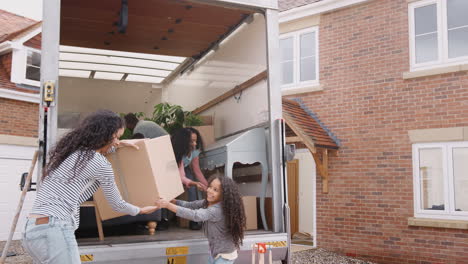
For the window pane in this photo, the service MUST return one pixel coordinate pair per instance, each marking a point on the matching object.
(34, 58)
(425, 19)
(460, 178)
(431, 179)
(308, 69)
(458, 42)
(287, 60)
(457, 11)
(33, 73)
(307, 45)
(287, 51)
(287, 72)
(426, 48)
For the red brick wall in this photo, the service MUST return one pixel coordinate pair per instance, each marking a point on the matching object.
(34, 42)
(370, 108)
(6, 61)
(18, 118)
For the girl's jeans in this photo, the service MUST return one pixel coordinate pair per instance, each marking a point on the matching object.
(219, 260)
(52, 243)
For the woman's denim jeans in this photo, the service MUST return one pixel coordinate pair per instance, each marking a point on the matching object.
(219, 260)
(52, 243)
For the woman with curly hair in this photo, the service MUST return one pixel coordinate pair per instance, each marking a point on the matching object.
(222, 214)
(188, 144)
(76, 169)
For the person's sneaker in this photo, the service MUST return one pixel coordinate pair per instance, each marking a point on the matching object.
(162, 225)
(195, 225)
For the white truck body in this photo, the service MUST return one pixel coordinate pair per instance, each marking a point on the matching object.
(244, 52)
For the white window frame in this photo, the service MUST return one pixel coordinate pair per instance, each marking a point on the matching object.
(449, 212)
(442, 37)
(19, 64)
(297, 62)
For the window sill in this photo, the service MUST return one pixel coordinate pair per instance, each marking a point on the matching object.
(20, 96)
(438, 223)
(18, 140)
(435, 71)
(300, 90)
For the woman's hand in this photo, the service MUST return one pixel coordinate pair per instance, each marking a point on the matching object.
(148, 209)
(200, 186)
(162, 203)
(128, 143)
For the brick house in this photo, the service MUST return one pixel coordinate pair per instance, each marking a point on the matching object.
(20, 42)
(389, 78)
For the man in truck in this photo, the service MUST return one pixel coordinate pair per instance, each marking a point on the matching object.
(148, 129)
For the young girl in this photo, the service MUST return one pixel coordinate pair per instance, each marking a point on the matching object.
(76, 169)
(188, 144)
(222, 214)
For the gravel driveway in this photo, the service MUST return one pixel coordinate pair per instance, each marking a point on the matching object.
(319, 256)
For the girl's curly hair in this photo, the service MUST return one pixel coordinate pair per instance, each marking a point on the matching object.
(233, 208)
(181, 142)
(94, 132)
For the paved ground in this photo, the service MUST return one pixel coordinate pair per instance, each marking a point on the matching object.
(22, 257)
(301, 255)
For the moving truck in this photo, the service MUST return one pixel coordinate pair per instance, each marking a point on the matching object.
(219, 58)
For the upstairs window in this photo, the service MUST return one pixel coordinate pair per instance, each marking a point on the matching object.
(33, 66)
(299, 58)
(438, 33)
(26, 67)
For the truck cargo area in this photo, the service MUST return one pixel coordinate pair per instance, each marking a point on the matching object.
(211, 57)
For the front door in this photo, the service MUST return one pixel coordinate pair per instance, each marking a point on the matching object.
(293, 194)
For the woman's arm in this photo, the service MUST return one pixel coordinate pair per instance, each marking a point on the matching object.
(197, 171)
(185, 181)
(124, 143)
(129, 143)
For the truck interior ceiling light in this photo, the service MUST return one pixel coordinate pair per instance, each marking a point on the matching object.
(123, 19)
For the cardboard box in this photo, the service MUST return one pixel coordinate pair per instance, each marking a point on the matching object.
(207, 134)
(250, 207)
(144, 175)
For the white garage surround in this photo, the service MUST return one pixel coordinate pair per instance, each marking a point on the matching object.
(14, 161)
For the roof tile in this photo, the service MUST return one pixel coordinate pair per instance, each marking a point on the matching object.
(308, 124)
(290, 4)
(13, 24)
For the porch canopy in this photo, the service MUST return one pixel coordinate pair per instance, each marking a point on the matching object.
(305, 130)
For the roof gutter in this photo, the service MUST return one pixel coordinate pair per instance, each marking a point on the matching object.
(5, 47)
(316, 8)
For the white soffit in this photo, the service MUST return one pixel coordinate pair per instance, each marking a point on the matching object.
(116, 65)
(108, 76)
(74, 73)
(316, 8)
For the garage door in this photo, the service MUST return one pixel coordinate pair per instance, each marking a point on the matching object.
(14, 161)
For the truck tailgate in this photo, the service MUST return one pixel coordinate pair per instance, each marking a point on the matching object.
(176, 251)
